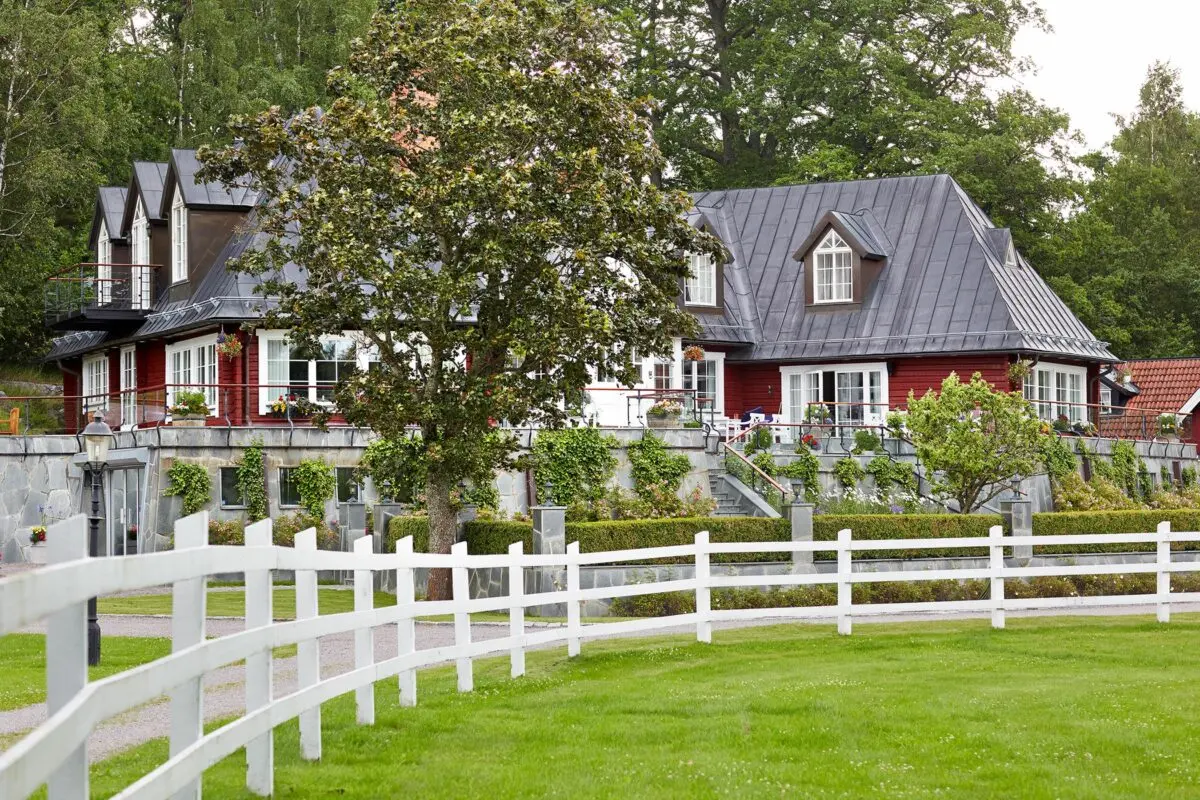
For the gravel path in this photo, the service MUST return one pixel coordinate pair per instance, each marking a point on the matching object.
(224, 693)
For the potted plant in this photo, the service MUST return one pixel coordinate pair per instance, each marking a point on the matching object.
(229, 345)
(1085, 429)
(664, 414)
(1123, 375)
(693, 352)
(809, 442)
(818, 414)
(866, 442)
(1062, 425)
(1018, 371)
(1168, 427)
(190, 410)
(36, 552)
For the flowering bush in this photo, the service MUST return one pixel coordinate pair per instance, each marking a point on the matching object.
(666, 408)
(856, 501)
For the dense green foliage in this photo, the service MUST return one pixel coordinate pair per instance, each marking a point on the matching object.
(654, 468)
(575, 463)
(971, 438)
(889, 473)
(1134, 521)
(316, 482)
(252, 481)
(283, 531)
(849, 472)
(191, 483)
(1058, 457)
(806, 467)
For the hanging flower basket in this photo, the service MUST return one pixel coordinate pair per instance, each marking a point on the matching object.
(229, 345)
(693, 352)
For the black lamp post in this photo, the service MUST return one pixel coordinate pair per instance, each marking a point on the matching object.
(97, 438)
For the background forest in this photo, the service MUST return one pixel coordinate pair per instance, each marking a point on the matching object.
(749, 93)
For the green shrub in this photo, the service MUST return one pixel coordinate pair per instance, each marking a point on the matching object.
(317, 483)
(252, 481)
(766, 463)
(805, 467)
(760, 439)
(1057, 457)
(866, 441)
(888, 473)
(652, 466)
(191, 483)
(905, 526)
(398, 527)
(577, 463)
(1080, 522)
(283, 532)
(849, 472)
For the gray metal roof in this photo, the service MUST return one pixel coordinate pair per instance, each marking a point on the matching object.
(148, 177)
(183, 167)
(110, 206)
(943, 288)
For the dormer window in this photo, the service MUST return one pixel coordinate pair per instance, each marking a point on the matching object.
(834, 270)
(103, 265)
(139, 235)
(700, 288)
(1010, 257)
(179, 264)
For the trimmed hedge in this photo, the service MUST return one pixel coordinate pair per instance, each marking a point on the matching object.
(905, 526)
(1077, 522)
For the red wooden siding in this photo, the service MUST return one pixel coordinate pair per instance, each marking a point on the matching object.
(749, 386)
(919, 375)
(71, 390)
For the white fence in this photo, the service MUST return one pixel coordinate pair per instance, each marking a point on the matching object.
(55, 752)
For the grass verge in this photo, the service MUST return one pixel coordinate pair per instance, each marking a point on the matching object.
(23, 664)
(1049, 708)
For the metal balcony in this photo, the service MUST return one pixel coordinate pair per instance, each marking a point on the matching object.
(104, 297)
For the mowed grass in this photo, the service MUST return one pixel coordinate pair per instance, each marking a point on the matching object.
(23, 664)
(232, 603)
(1066, 708)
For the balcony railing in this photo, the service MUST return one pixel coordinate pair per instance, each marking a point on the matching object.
(90, 296)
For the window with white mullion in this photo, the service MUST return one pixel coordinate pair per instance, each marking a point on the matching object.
(833, 273)
(291, 378)
(129, 386)
(138, 287)
(95, 383)
(1057, 391)
(192, 367)
(700, 288)
(179, 261)
(103, 266)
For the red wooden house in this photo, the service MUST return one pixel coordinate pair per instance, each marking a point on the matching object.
(848, 295)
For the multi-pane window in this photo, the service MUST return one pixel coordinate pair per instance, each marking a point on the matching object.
(851, 394)
(289, 487)
(1056, 391)
(192, 367)
(662, 375)
(138, 290)
(103, 266)
(291, 376)
(179, 260)
(1106, 401)
(833, 276)
(701, 376)
(700, 288)
(128, 386)
(231, 492)
(95, 383)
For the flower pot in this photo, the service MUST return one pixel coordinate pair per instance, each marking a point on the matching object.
(37, 553)
(655, 421)
(189, 421)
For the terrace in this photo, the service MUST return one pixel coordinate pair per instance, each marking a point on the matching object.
(99, 296)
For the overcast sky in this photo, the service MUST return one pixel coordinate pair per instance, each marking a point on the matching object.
(1094, 61)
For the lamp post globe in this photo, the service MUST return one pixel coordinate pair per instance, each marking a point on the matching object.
(97, 439)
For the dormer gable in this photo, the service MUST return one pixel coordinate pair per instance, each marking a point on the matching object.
(704, 290)
(843, 255)
(108, 215)
(1001, 243)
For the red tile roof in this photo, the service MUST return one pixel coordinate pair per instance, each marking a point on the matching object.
(1164, 384)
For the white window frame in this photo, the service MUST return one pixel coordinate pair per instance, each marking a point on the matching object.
(269, 392)
(832, 258)
(139, 255)
(199, 354)
(799, 378)
(179, 237)
(687, 370)
(129, 398)
(700, 287)
(95, 385)
(1106, 399)
(1056, 389)
(103, 265)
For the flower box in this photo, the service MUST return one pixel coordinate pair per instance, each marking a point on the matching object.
(189, 420)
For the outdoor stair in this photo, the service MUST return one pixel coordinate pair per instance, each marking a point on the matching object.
(728, 505)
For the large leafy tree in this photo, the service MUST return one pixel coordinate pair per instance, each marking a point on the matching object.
(1126, 262)
(756, 92)
(971, 439)
(476, 202)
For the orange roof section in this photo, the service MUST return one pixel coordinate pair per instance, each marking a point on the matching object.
(1164, 384)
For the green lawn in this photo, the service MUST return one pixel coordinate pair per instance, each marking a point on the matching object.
(1069, 708)
(23, 664)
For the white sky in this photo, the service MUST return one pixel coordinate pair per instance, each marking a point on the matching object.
(1095, 60)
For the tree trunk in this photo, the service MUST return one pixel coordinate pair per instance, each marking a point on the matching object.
(442, 524)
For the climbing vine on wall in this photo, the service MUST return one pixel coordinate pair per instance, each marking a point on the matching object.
(576, 463)
(654, 468)
(252, 481)
(191, 483)
(316, 482)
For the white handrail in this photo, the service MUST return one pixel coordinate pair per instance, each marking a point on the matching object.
(56, 750)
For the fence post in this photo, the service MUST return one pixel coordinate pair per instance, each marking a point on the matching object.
(703, 592)
(308, 652)
(462, 619)
(1164, 574)
(406, 630)
(573, 602)
(260, 753)
(187, 629)
(66, 656)
(364, 635)
(996, 550)
(516, 611)
(845, 597)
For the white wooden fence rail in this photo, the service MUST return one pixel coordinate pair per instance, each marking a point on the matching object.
(55, 752)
